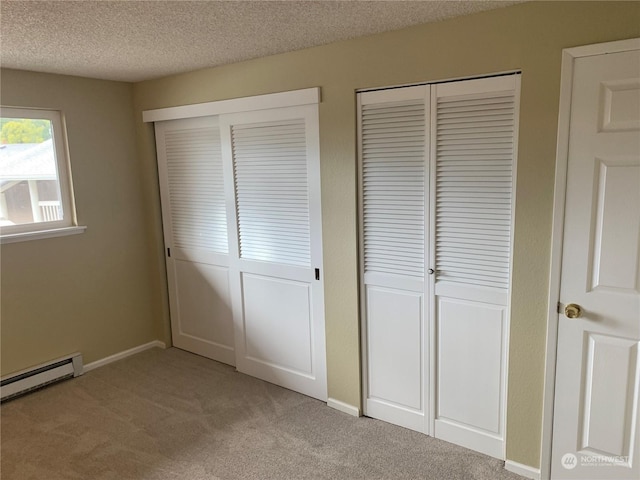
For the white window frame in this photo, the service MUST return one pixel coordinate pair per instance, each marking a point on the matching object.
(68, 224)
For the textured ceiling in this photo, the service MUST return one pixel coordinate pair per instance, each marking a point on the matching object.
(140, 40)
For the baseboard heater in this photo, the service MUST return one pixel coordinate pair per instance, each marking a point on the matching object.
(40, 376)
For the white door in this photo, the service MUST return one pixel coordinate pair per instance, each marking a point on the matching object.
(272, 166)
(195, 234)
(474, 130)
(393, 158)
(437, 169)
(596, 433)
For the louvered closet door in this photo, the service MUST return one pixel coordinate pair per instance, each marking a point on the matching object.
(393, 192)
(276, 246)
(195, 233)
(474, 131)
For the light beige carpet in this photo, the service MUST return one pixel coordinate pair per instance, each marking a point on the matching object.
(168, 414)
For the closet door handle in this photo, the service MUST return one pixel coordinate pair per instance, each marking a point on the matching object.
(431, 271)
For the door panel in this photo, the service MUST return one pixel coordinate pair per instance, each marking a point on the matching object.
(395, 347)
(608, 395)
(595, 430)
(392, 131)
(475, 126)
(272, 161)
(277, 323)
(202, 294)
(272, 194)
(620, 103)
(614, 263)
(470, 339)
(195, 233)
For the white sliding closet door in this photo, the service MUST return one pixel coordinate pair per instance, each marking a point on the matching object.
(275, 239)
(240, 191)
(437, 176)
(474, 131)
(393, 192)
(195, 234)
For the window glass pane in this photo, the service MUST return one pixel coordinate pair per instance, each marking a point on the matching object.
(29, 185)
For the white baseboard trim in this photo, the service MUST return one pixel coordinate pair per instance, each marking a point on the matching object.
(120, 355)
(343, 407)
(524, 470)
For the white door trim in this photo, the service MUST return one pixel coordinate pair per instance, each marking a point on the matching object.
(562, 149)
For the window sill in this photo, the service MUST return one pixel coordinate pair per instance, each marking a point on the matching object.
(26, 236)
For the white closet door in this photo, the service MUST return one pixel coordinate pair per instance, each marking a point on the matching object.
(474, 131)
(195, 234)
(272, 161)
(393, 191)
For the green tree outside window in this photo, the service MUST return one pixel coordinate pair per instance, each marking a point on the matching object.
(24, 130)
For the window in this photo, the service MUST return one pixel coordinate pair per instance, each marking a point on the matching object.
(36, 198)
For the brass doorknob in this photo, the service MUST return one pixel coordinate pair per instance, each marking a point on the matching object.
(573, 310)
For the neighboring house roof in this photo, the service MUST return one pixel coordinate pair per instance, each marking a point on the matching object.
(27, 161)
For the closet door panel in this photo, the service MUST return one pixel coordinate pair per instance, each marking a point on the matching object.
(471, 341)
(202, 289)
(395, 366)
(474, 131)
(272, 194)
(195, 233)
(272, 161)
(278, 323)
(393, 188)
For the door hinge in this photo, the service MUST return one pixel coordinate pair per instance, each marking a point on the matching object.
(168, 252)
(317, 274)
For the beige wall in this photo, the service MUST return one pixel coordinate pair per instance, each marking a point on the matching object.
(90, 292)
(529, 37)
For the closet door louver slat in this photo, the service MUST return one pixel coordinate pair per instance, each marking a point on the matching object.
(196, 189)
(393, 169)
(474, 159)
(272, 198)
